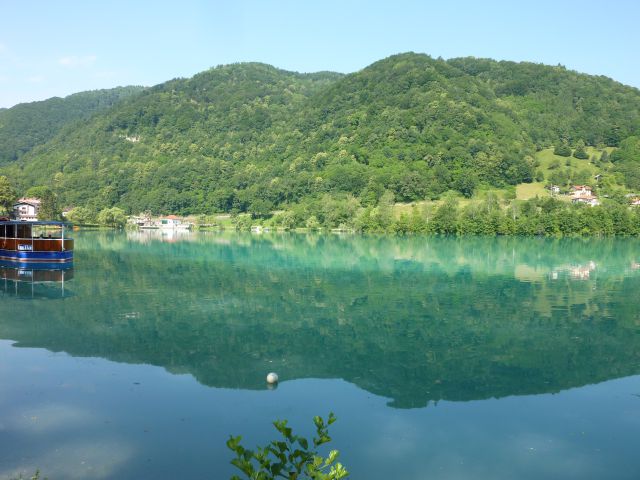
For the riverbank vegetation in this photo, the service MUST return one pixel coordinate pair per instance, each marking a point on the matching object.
(490, 216)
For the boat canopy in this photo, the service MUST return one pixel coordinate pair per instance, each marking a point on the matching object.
(51, 223)
(22, 229)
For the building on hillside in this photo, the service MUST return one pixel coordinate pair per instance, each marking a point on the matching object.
(581, 191)
(635, 202)
(588, 199)
(584, 194)
(554, 189)
(26, 209)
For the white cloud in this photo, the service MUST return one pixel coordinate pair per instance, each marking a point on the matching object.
(73, 61)
(82, 459)
(50, 417)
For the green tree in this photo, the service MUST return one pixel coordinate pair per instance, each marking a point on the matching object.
(81, 215)
(445, 218)
(7, 194)
(580, 151)
(582, 176)
(562, 150)
(243, 222)
(49, 209)
(559, 177)
(466, 184)
(112, 217)
(312, 223)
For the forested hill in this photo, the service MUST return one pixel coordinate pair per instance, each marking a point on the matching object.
(27, 125)
(250, 137)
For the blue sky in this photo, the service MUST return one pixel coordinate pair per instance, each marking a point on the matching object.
(55, 48)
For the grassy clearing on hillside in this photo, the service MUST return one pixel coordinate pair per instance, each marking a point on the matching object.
(547, 159)
(526, 191)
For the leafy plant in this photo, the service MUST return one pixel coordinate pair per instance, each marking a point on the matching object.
(291, 458)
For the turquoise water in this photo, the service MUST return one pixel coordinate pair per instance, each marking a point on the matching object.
(442, 358)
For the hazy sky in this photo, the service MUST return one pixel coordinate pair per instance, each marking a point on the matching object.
(54, 48)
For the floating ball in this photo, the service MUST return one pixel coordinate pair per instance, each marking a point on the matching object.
(272, 378)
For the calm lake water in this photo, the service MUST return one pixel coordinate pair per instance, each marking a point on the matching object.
(442, 358)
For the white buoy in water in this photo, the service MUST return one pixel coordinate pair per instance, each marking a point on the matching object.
(272, 378)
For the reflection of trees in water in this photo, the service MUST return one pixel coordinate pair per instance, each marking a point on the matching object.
(415, 319)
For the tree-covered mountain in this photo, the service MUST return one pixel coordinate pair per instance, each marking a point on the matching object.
(27, 125)
(250, 137)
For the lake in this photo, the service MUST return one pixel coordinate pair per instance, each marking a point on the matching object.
(443, 358)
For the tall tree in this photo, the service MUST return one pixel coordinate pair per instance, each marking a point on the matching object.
(7, 194)
(580, 151)
(49, 209)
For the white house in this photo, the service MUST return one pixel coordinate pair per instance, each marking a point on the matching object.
(172, 222)
(584, 194)
(581, 191)
(26, 209)
(591, 200)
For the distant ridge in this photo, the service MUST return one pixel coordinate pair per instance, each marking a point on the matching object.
(26, 125)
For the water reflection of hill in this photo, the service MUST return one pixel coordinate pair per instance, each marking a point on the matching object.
(415, 319)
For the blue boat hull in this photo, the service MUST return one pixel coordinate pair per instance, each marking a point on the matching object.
(36, 257)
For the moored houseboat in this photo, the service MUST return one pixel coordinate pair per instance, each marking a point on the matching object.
(35, 242)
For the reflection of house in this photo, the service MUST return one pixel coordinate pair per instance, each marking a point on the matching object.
(152, 235)
(26, 209)
(576, 272)
(582, 272)
(584, 194)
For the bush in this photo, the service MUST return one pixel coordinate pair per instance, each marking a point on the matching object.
(243, 222)
(81, 216)
(290, 458)
(580, 151)
(562, 150)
